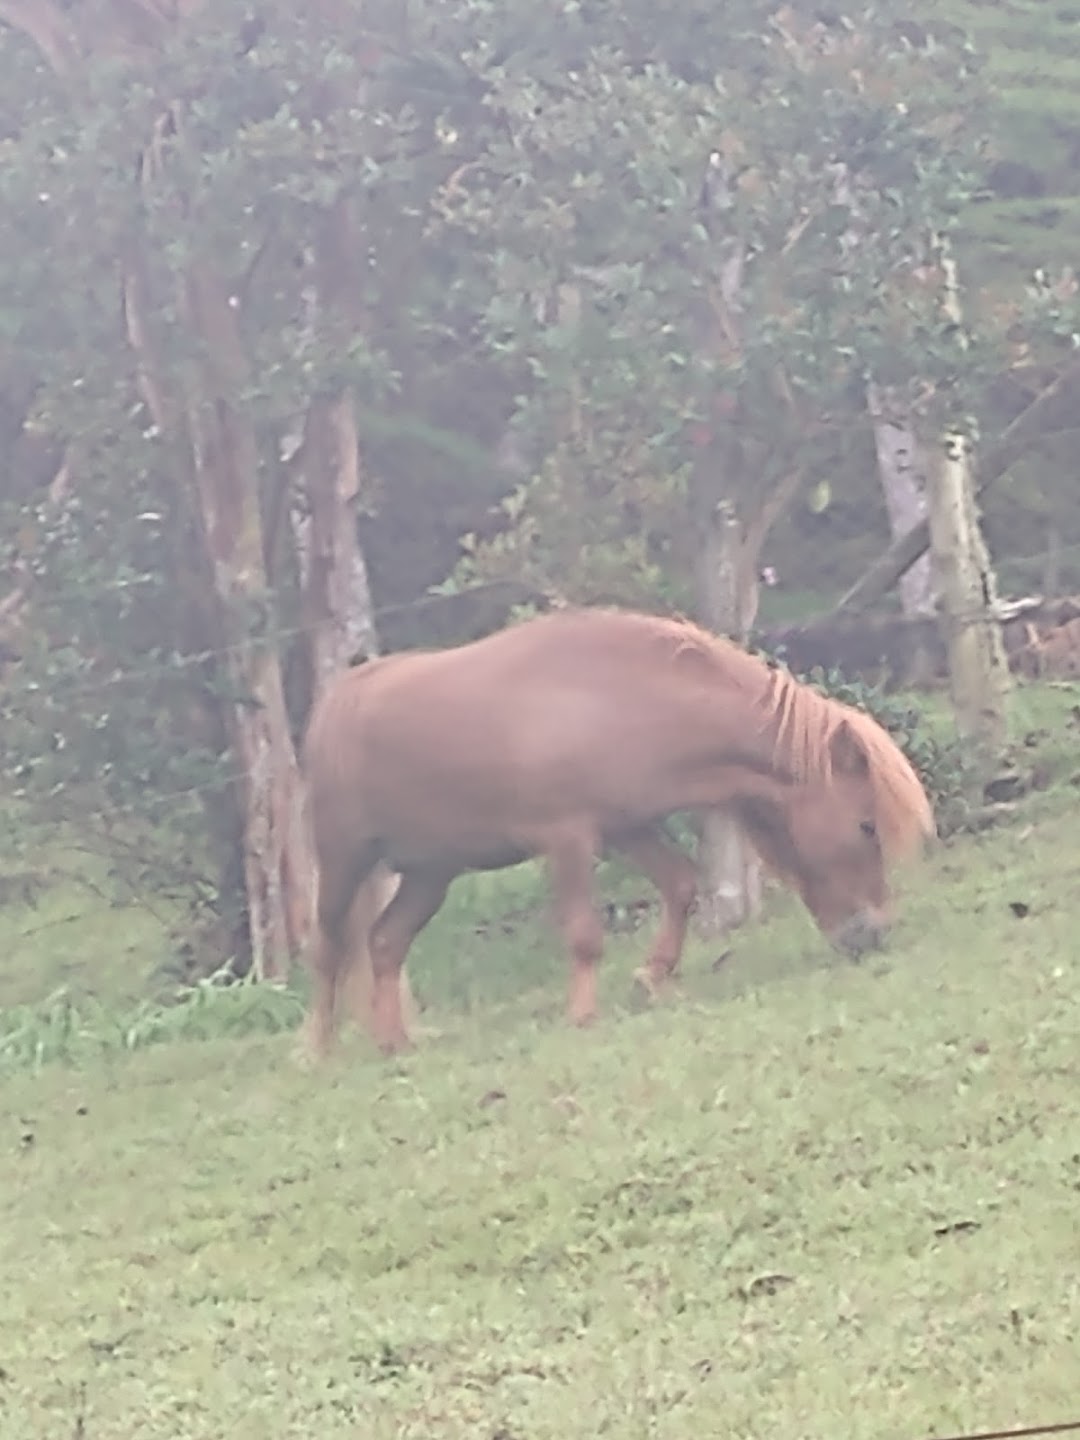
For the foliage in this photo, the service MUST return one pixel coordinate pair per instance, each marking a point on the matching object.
(544, 235)
(660, 263)
(1024, 216)
(229, 146)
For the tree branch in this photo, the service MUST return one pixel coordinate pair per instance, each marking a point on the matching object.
(11, 606)
(769, 512)
(887, 569)
(46, 25)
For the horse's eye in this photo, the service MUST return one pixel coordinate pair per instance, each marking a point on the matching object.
(868, 828)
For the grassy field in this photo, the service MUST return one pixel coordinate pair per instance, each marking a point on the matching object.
(802, 1198)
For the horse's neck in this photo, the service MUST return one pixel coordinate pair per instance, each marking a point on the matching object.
(735, 752)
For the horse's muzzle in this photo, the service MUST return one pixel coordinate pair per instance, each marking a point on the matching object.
(863, 933)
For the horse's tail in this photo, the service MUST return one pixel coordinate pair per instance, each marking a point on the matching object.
(328, 781)
(373, 895)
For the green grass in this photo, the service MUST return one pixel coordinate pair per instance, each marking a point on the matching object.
(801, 1198)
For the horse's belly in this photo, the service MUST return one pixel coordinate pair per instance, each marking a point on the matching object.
(458, 854)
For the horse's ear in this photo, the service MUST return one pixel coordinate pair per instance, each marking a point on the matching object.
(848, 753)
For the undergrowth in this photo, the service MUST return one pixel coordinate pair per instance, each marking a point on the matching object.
(79, 1029)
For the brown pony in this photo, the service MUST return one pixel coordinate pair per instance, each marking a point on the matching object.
(566, 736)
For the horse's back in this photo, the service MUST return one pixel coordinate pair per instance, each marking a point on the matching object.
(558, 712)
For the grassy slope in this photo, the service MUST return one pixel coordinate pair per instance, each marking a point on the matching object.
(804, 1198)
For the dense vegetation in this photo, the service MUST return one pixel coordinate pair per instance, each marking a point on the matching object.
(566, 275)
(328, 328)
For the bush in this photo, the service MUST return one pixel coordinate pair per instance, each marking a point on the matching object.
(59, 1029)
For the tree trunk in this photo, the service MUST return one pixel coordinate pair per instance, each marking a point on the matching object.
(219, 463)
(196, 620)
(339, 624)
(978, 671)
(902, 470)
(1051, 576)
(337, 596)
(1053, 408)
(277, 860)
(729, 871)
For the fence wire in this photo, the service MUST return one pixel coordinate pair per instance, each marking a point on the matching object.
(1060, 1427)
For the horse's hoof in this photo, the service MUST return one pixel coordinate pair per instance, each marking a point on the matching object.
(395, 1045)
(309, 1053)
(647, 983)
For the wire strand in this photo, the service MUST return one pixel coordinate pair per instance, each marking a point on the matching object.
(1060, 1427)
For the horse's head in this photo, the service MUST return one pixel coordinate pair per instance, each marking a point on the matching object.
(841, 871)
(822, 838)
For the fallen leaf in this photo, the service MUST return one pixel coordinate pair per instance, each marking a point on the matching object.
(957, 1227)
(766, 1285)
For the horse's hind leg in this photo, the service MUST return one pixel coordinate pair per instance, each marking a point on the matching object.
(416, 901)
(570, 864)
(328, 955)
(675, 876)
(356, 981)
(324, 962)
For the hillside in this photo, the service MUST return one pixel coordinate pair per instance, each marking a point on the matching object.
(802, 1197)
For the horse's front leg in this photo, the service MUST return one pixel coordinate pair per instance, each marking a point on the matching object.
(570, 866)
(675, 877)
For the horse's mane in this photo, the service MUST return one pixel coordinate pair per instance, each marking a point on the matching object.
(807, 723)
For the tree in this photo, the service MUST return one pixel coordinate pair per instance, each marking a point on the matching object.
(694, 269)
(902, 470)
(181, 158)
(359, 254)
(1039, 328)
(978, 671)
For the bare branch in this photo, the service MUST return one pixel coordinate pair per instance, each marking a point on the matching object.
(11, 606)
(150, 380)
(47, 26)
(1010, 446)
(770, 511)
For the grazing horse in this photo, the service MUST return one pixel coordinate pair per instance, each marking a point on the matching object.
(566, 736)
